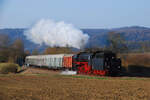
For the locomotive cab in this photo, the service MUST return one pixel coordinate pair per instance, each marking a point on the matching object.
(98, 63)
(105, 63)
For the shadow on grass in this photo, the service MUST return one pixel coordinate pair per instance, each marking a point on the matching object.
(136, 71)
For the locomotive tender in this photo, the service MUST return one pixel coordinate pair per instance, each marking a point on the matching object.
(93, 63)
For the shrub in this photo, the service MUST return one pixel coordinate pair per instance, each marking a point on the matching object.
(136, 64)
(6, 68)
(139, 59)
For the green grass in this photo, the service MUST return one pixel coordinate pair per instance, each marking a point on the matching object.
(104, 78)
(87, 77)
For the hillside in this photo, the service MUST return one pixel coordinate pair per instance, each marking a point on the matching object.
(98, 37)
(134, 33)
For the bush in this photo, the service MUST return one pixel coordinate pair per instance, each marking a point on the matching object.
(6, 68)
(139, 59)
(136, 64)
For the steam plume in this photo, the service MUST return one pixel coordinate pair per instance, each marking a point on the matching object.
(59, 34)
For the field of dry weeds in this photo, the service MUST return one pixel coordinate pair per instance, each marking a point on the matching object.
(136, 64)
(35, 85)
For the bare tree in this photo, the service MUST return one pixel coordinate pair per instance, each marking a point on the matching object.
(35, 52)
(17, 52)
(4, 41)
(4, 47)
(117, 43)
(144, 46)
(57, 50)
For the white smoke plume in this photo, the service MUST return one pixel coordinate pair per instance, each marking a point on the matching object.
(59, 34)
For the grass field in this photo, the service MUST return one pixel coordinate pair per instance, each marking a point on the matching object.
(52, 86)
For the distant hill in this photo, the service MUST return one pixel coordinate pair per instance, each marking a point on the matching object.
(98, 37)
(134, 33)
(18, 34)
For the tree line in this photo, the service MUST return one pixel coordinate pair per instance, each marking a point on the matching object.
(117, 43)
(13, 51)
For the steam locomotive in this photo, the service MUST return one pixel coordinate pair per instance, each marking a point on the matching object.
(101, 63)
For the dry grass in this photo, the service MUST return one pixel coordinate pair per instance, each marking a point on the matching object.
(136, 63)
(140, 59)
(55, 87)
(6, 68)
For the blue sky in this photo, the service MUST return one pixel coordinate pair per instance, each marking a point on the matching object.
(81, 13)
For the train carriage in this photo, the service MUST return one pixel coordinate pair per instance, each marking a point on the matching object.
(50, 61)
(68, 61)
(54, 61)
